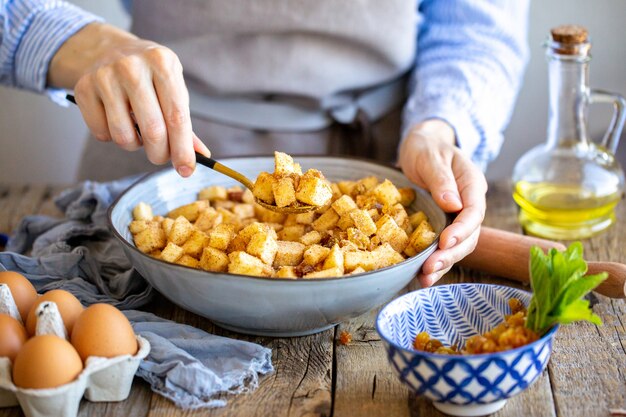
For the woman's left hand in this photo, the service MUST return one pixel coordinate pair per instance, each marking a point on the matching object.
(430, 158)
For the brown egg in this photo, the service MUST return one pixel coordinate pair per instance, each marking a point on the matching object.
(46, 361)
(103, 330)
(23, 292)
(69, 307)
(12, 336)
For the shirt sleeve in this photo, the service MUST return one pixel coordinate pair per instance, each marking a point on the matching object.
(469, 67)
(31, 32)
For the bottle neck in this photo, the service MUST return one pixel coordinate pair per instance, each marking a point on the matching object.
(569, 98)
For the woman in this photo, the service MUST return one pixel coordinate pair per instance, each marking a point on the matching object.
(324, 77)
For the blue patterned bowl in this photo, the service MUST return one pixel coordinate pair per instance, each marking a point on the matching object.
(461, 385)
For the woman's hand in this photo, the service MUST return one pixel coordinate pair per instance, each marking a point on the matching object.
(429, 158)
(119, 79)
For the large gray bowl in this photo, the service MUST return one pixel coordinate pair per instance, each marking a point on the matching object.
(265, 306)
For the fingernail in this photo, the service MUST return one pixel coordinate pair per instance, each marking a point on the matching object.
(205, 151)
(185, 171)
(451, 243)
(451, 197)
(201, 148)
(437, 266)
(428, 280)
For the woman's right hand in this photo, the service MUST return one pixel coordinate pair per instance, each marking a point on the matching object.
(119, 79)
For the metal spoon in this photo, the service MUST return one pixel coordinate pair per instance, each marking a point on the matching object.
(223, 169)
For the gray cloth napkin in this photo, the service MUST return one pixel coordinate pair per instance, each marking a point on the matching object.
(78, 253)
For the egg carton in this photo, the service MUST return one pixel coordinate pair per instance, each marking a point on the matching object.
(102, 379)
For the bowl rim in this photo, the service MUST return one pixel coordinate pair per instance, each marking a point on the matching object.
(145, 177)
(460, 357)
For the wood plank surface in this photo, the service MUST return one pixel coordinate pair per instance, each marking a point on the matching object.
(366, 385)
(318, 376)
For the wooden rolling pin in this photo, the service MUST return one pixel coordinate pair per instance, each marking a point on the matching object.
(507, 254)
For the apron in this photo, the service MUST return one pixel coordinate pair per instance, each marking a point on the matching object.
(303, 77)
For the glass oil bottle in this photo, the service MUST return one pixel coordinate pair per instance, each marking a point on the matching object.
(568, 187)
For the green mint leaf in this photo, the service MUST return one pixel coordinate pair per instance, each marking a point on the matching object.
(577, 311)
(559, 283)
(578, 288)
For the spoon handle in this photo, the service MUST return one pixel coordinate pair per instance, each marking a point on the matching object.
(223, 169)
(507, 255)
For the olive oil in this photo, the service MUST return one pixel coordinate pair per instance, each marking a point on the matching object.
(568, 187)
(561, 211)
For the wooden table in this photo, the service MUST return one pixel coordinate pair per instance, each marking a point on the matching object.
(317, 376)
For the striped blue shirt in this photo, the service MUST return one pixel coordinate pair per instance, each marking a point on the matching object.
(31, 32)
(469, 64)
(471, 57)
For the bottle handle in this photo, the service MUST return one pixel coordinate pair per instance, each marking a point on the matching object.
(614, 131)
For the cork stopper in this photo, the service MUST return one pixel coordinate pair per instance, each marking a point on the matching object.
(570, 40)
(569, 34)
